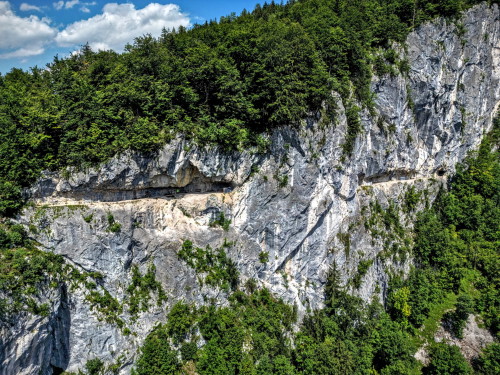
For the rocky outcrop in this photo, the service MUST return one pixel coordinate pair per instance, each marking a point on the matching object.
(474, 338)
(34, 344)
(304, 204)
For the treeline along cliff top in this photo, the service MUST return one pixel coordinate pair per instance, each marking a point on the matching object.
(229, 83)
(221, 82)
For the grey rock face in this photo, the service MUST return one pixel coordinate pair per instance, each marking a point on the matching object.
(474, 339)
(38, 345)
(304, 203)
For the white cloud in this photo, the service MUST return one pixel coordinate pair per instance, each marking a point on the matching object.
(85, 7)
(120, 24)
(117, 25)
(71, 4)
(25, 7)
(23, 36)
(4, 6)
(59, 5)
(23, 52)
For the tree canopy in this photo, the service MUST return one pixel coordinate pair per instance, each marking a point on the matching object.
(219, 82)
(456, 257)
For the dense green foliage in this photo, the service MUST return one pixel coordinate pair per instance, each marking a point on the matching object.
(457, 319)
(446, 359)
(256, 321)
(23, 269)
(252, 336)
(221, 82)
(218, 268)
(457, 244)
(456, 250)
(140, 290)
(94, 366)
(26, 273)
(489, 361)
(225, 83)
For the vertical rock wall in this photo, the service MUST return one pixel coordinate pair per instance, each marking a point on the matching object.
(304, 204)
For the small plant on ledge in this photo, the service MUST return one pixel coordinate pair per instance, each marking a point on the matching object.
(221, 221)
(113, 226)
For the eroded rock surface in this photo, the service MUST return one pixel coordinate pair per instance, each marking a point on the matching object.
(304, 203)
(474, 338)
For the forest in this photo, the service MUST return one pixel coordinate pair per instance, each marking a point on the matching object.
(224, 83)
(456, 252)
(227, 83)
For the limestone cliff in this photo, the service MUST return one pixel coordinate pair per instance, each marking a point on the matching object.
(302, 205)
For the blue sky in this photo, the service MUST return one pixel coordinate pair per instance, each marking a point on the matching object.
(33, 32)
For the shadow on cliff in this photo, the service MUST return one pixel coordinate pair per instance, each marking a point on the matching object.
(59, 328)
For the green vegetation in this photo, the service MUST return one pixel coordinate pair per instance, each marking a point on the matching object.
(156, 355)
(180, 321)
(385, 226)
(113, 226)
(107, 307)
(456, 243)
(457, 319)
(26, 271)
(137, 298)
(94, 366)
(489, 361)
(227, 83)
(363, 267)
(257, 321)
(345, 239)
(218, 268)
(264, 257)
(353, 127)
(430, 316)
(411, 199)
(140, 290)
(456, 255)
(221, 221)
(217, 83)
(253, 336)
(10, 198)
(88, 218)
(282, 180)
(446, 359)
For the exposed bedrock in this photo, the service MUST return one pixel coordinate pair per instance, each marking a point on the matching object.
(303, 203)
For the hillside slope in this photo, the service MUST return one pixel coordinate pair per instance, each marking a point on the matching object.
(280, 217)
